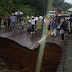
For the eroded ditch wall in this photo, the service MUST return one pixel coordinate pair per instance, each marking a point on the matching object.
(24, 60)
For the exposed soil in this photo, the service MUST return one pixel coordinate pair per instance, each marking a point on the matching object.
(22, 59)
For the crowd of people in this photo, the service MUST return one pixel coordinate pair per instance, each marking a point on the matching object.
(61, 25)
(11, 22)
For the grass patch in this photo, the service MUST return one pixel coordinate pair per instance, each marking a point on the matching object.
(1, 21)
(25, 18)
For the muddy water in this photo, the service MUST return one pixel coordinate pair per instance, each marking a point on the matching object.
(24, 60)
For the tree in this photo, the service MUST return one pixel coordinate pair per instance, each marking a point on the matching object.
(38, 7)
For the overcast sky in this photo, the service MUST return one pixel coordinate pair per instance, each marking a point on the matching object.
(69, 1)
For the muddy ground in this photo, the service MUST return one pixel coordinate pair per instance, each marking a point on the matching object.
(20, 59)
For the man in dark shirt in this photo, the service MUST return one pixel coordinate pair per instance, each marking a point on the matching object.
(70, 21)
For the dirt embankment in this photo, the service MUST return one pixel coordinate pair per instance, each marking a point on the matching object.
(24, 60)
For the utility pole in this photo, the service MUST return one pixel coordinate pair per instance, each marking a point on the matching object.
(42, 44)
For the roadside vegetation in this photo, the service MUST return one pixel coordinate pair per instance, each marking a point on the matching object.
(29, 7)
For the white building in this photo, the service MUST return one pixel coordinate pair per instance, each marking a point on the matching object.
(69, 11)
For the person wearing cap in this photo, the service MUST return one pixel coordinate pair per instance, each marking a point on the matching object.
(13, 21)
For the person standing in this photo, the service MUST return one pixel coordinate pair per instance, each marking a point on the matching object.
(64, 29)
(16, 22)
(27, 18)
(62, 20)
(4, 20)
(48, 32)
(9, 22)
(22, 22)
(69, 28)
(13, 21)
(62, 33)
(0, 21)
(54, 28)
(32, 24)
(42, 25)
(70, 22)
(36, 22)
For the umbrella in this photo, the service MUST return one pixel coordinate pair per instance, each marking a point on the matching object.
(18, 13)
(63, 15)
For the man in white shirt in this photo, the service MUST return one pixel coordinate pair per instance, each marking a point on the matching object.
(32, 24)
(13, 21)
(36, 22)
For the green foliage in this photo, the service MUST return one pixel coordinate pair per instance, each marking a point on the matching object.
(29, 7)
(1, 11)
(63, 5)
(28, 10)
